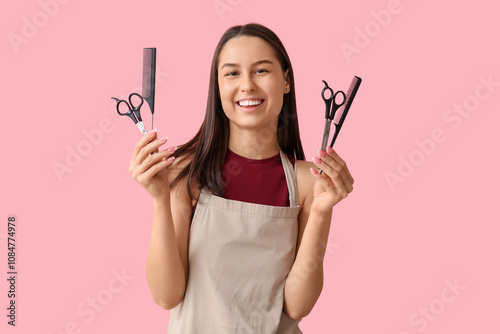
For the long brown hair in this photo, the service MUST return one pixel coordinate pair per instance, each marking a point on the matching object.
(209, 145)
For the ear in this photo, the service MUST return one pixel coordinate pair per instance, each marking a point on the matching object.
(286, 77)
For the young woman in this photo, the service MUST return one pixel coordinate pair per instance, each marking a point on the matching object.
(241, 221)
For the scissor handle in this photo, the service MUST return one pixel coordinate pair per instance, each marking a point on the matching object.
(129, 110)
(326, 89)
(136, 109)
(328, 102)
(334, 98)
(132, 103)
(118, 102)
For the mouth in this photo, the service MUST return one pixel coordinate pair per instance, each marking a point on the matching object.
(249, 104)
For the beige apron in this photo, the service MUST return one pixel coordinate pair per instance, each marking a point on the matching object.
(239, 257)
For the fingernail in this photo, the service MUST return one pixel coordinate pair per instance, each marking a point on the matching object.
(152, 133)
(313, 171)
(330, 150)
(162, 140)
(322, 153)
(171, 159)
(317, 160)
(172, 149)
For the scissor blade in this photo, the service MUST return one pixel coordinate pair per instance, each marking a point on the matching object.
(326, 134)
(141, 128)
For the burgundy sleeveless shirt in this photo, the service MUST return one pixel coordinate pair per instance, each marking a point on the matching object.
(256, 181)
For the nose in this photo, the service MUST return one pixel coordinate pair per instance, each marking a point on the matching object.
(247, 83)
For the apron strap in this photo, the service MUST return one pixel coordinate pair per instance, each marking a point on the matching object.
(291, 180)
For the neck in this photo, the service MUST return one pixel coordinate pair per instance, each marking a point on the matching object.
(253, 144)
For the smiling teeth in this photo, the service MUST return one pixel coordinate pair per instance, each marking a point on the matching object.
(246, 103)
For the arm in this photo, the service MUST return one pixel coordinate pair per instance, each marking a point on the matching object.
(167, 259)
(166, 264)
(321, 192)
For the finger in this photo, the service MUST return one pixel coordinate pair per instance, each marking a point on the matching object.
(330, 175)
(327, 160)
(149, 161)
(341, 162)
(155, 169)
(324, 180)
(143, 142)
(148, 149)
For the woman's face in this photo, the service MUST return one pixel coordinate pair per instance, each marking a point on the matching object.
(251, 83)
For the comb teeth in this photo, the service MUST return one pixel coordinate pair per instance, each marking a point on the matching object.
(148, 72)
(352, 90)
(349, 97)
(351, 94)
(148, 79)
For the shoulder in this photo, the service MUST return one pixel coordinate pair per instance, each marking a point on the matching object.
(303, 169)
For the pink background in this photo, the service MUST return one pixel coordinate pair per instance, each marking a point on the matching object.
(392, 248)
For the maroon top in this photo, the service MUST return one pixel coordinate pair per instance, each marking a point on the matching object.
(256, 181)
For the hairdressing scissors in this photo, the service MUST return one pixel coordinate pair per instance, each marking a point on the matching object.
(132, 110)
(331, 107)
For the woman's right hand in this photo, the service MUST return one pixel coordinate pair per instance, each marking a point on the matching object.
(150, 170)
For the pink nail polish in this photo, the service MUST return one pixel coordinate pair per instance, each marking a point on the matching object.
(172, 149)
(313, 171)
(330, 150)
(171, 159)
(317, 160)
(162, 140)
(322, 153)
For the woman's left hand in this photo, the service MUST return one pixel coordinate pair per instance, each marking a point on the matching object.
(333, 184)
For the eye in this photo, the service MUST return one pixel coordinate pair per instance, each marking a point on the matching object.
(261, 70)
(231, 74)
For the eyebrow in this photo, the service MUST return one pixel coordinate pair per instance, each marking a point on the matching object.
(263, 61)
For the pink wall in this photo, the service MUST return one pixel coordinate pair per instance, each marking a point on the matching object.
(414, 249)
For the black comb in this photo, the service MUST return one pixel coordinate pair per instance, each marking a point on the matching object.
(148, 79)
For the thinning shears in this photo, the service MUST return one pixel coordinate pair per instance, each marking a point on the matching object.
(332, 106)
(132, 110)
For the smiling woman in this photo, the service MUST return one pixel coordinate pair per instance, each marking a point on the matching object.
(251, 85)
(241, 221)
(228, 73)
